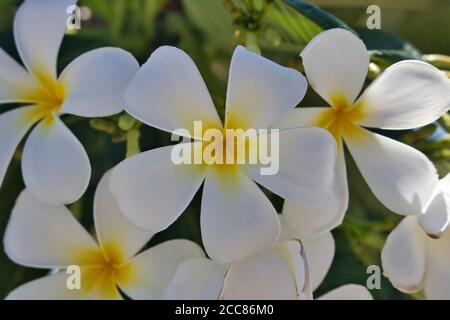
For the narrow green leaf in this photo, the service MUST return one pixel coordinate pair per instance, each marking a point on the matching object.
(290, 25)
(323, 18)
(386, 47)
(392, 55)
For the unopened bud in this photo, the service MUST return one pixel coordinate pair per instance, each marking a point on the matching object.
(103, 125)
(126, 122)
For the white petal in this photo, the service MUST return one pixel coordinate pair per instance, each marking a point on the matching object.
(98, 293)
(101, 285)
(260, 91)
(320, 252)
(14, 125)
(95, 81)
(437, 215)
(237, 220)
(348, 292)
(39, 28)
(196, 279)
(445, 184)
(401, 177)
(112, 228)
(336, 63)
(305, 220)
(310, 222)
(169, 93)
(264, 277)
(43, 236)
(154, 268)
(403, 256)
(13, 79)
(437, 279)
(299, 117)
(55, 166)
(307, 157)
(152, 191)
(407, 95)
(47, 288)
(293, 255)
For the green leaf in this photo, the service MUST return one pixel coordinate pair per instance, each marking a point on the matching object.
(385, 58)
(152, 8)
(382, 40)
(212, 18)
(323, 18)
(292, 27)
(386, 46)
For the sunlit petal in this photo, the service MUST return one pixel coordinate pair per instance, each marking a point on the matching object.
(311, 222)
(169, 93)
(152, 191)
(305, 163)
(409, 94)
(260, 91)
(404, 256)
(237, 219)
(336, 63)
(401, 177)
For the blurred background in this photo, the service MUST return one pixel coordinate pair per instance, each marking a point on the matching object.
(208, 30)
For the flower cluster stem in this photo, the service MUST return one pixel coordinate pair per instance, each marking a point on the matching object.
(251, 42)
(133, 147)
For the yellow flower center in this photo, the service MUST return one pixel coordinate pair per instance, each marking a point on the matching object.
(48, 98)
(224, 149)
(233, 148)
(342, 118)
(104, 269)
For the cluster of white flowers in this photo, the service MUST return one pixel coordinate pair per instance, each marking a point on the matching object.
(253, 253)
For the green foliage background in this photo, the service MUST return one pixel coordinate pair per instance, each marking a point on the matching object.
(209, 30)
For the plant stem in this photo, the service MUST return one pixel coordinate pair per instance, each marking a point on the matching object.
(251, 42)
(133, 147)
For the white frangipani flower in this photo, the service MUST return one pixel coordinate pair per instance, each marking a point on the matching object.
(408, 94)
(416, 254)
(291, 270)
(237, 220)
(55, 166)
(44, 236)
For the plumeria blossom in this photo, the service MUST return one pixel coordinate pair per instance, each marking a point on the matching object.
(43, 236)
(237, 219)
(417, 252)
(407, 95)
(289, 271)
(55, 166)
